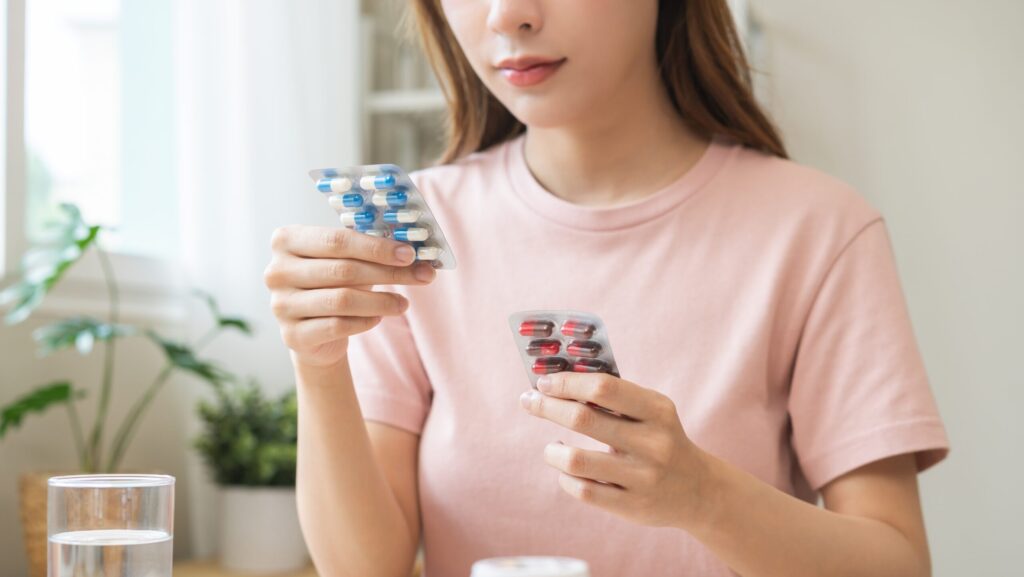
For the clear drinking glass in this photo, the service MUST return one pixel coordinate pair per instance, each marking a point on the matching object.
(110, 526)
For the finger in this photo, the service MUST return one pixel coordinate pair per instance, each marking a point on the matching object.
(590, 491)
(604, 390)
(594, 465)
(320, 330)
(349, 302)
(310, 273)
(327, 242)
(598, 425)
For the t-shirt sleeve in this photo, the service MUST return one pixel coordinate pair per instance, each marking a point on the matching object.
(859, 391)
(390, 382)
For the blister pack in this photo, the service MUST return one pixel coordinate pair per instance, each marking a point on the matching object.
(381, 200)
(556, 341)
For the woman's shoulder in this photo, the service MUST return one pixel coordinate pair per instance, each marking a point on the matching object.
(769, 184)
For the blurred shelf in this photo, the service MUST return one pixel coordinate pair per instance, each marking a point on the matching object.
(402, 107)
(405, 101)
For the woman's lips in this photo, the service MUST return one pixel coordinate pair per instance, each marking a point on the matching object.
(531, 75)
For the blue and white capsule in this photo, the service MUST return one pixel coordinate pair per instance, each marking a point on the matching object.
(337, 184)
(377, 181)
(395, 216)
(390, 199)
(370, 230)
(411, 234)
(428, 253)
(340, 201)
(357, 218)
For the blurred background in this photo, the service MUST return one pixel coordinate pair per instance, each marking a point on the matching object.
(188, 127)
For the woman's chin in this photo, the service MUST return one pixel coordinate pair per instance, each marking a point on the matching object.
(546, 114)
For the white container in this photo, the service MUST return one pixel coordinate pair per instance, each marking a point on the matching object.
(530, 567)
(259, 531)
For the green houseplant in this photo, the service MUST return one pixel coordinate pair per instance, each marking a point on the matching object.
(43, 267)
(248, 438)
(248, 443)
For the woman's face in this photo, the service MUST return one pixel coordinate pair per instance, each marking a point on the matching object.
(554, 62)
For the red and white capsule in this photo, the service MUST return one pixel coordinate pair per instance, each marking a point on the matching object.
(548, 365)
(591, 366)
(543, 347)
(578, 329)
(536, 328)
(587, 349)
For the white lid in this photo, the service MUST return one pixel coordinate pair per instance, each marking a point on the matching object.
(530, 567)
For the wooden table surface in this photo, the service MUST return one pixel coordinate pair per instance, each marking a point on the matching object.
(211, 569)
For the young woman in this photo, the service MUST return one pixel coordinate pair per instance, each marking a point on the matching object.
(608, 156)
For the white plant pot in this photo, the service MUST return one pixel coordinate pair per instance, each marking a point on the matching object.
(259, 531)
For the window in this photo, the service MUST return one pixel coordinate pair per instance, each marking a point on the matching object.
(99, 117)
(91, 85)
(72, 109)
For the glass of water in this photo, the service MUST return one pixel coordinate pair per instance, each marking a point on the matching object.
(110, 526)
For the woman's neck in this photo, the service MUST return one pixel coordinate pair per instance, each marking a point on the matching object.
(637, 144)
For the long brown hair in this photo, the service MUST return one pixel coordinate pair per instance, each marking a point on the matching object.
(699, 55)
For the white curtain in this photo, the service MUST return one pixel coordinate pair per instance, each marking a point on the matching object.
(265, 91)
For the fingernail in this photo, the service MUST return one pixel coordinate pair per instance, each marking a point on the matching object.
(554, 447)
(403, 303)
(544, 383)
(526, 399)
(405, 253)
(423, 273)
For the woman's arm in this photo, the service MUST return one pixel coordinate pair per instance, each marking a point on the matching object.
(872, 524)
(356, 525)
(656, 476)
(354, 522)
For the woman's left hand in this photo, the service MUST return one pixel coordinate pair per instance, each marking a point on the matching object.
(653, 475)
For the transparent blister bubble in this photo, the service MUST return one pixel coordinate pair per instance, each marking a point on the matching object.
(381, 200)
(551, 341)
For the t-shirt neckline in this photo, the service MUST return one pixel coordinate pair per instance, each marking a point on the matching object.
(606, 218)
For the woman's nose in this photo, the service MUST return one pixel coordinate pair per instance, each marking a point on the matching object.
(512, 17)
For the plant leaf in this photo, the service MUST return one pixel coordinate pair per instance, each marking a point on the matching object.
(182, 357)
(26, 297)
(223, 321)
(249, 438)
(82, 332)
(37, 401)
(238, 323)
(43, 267)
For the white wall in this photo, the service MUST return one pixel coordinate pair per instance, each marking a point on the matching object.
(918, 103)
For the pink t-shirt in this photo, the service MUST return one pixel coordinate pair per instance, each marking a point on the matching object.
(759, 294)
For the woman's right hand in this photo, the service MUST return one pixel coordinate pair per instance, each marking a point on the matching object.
(320, 281)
